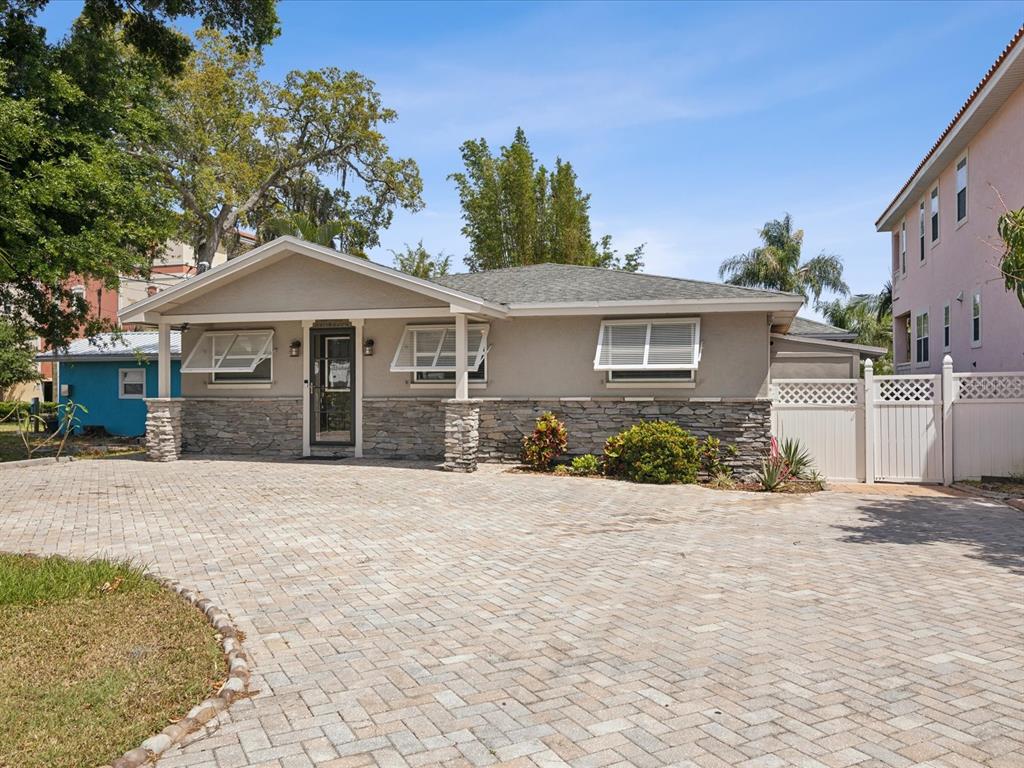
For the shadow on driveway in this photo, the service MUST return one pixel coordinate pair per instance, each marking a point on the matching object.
(993, 530)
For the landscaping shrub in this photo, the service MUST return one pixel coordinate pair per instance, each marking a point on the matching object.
(586, 465)
(546, 443)
(797, 458)
(790, 461)
(7, 407)
(711, 457)
(653, 452)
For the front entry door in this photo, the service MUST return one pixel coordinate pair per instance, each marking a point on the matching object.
(332, 390)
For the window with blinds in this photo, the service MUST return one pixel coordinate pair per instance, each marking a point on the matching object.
(424, 348)
(648, 345)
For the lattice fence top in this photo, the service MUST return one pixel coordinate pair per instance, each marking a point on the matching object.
(905, 389)
(816, 393)
(977, 386)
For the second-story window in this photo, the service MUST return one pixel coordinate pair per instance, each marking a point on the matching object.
(935, 214)
(920, 221)
(961, 189)
(903, 248)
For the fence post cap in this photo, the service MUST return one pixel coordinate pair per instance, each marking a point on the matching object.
(868, 365)
(947, 361)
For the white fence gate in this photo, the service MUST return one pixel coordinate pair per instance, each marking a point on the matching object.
(919, 428)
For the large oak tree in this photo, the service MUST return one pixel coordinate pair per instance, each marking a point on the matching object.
(238, 142)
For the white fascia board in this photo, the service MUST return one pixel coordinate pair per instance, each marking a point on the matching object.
(659, 306)
(939, 157)
(864, 348)
(315, 314)
(134, 312)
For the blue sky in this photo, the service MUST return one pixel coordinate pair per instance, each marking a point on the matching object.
(689, 124)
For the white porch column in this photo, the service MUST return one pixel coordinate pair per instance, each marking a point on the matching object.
(358, 383)
(947, 420)
(306, 385)
(163, 360)
(461, 355)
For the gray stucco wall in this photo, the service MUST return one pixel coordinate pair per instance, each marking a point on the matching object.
(803, 359)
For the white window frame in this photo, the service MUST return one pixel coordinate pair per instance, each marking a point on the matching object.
(976, 315)
(918, 362)
(947, 333)
(121, 382)
(956, 198)
(265, 352)
(903, 248)
(922, 229)
(645, 366)
(623, 380)
(479, 355)
(934, 227)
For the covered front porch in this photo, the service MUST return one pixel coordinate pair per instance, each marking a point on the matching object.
(293, 357)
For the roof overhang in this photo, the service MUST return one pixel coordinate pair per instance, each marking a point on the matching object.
(120, 357)
(150, 310)
(781, 308)
(1002, 79)
(863, 349)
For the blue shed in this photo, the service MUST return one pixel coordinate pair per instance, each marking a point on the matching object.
(111, 375)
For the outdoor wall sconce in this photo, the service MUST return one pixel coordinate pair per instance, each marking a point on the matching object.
(294, 348)
(368, 348)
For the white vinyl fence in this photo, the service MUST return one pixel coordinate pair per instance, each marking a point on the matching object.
(934, 428)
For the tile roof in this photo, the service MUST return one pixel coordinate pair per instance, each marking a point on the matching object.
(1018, 36)
(107, 345)
(550, 283)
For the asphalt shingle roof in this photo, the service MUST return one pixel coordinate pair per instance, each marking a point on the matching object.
(541, 283)
(803, 326)
(131, 343)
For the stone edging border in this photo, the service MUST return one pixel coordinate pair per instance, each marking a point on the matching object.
(236, 686)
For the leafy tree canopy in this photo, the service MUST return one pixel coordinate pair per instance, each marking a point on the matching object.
(419, 263)
(77, 197)
(515, 212)
(238, 145)
(1011, 264)
(17, 365)
(776, 264)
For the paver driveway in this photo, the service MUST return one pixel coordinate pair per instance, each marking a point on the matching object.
(405, 616)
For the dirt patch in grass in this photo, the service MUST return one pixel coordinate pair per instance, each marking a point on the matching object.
(12, 448)
(94, 659)
(1009, 486)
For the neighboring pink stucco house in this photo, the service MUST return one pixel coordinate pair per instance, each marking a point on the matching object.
(949, 296)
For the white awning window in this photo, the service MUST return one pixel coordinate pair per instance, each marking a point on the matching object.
(648, 345)
(432, 348)
(229, 352)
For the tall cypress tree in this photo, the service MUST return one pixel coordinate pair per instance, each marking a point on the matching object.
(516, 213)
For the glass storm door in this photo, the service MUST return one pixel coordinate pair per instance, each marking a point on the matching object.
(333, 388)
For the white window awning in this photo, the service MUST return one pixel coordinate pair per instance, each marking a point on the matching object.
(432, 348)
(648, 345)
(229, 352)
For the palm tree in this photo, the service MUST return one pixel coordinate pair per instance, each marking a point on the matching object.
(776, 265)
(302, 226)
(869, 315)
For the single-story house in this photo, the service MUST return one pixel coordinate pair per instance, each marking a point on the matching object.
(111, 375)
(294, 349)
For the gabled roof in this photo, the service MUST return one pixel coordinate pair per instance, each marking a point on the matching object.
(803, 326)
(130, 345)
(136, 312)
(1004, 76)
(569, 283)
(536, 290)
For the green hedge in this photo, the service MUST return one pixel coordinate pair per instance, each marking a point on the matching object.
(9, 406)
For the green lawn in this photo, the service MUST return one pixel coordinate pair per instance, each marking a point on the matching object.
(94, 659)
(13, 449)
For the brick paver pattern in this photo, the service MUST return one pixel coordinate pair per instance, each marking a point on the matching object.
(397, 615)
